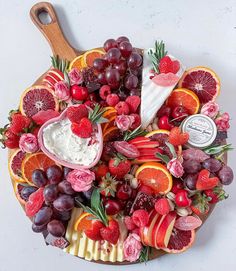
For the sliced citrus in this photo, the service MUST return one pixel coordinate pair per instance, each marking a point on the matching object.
(109, 113)
(109, 124)
(110, 133)
(77, 63)
(186, 98)
(156, 176)
(91, 55)
(203, 82)
(83, 222)
(37, 160)
(37, 98)
(14, 165)
(17, 189)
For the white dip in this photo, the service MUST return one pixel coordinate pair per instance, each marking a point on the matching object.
(60, 141)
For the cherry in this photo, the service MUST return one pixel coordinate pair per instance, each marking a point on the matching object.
(179, 113)
(124, 192)
(112, 206)
(92, 97)
(181, 199)
(163, 123)
(79, 93)
(177, 186)
(164, 111)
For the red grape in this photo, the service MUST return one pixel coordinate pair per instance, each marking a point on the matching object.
(212, 164)
(50, 192)
(39, 178)
(112, 207)
(100, 64)
(64, 203)
(113, 55)
(43, 216)
(54, 174)
(191, 166)
(102, 78)
(121, 67)
(135, 92)
(113, 78)
(110, 43)
(131, 81)
(27, 191)
(121, 39)
(56, 228)
(125, 49)
(226, 175)
(190, 181)
(134, 61)
(39, 228)
(65, 187)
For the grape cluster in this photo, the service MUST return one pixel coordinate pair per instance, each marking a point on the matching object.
(59, 199)
(120, 68)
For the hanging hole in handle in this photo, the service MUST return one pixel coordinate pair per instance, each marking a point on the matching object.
(44, 17)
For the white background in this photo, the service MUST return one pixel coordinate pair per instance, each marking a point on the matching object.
(198, 32)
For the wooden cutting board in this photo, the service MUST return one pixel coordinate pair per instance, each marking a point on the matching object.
(61, 47)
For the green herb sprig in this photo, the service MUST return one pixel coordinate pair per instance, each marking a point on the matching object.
(144, 255)
(157, 54)
(95, 115)
(132, 134)
(61, 65)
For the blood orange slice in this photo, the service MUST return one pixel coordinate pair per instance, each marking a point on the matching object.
(14, 165)
(17, 189)
(37, 98)
(37, 160)
(91, 55)
(184, 97)
(203, 82)
(180, 241)
(77, 63)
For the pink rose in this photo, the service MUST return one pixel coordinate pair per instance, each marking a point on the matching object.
(222, 122)
(62, 91)
(132, 247)
(124, 122)
(210, 109)
(75, 76)
(81, 179)
(175, 167)
(28, 143)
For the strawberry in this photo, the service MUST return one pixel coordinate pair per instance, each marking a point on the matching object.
(76, 113)
(216, 194)
(9, 139)
(165, 65)
(133, 103)
(101, 171)
(177, 138)
(94, 232)
(204, 182)
(162, 206)
(119, 167)
(200, 204)
(19, 123)
(108, 185)
(140, 218)
(84, 129)
(111, 233)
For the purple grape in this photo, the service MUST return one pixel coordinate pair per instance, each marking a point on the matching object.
(56, 228)
(39, 178)
(125, 48)
(54, 174)
(134, 61)
(191, 166)
(121, 39)
(66, 170)
(100, 64)
(62, 216)
(113, 55)
(226, 175)
(50, 192)
(88, 194)
(38, 229)
(135, 92)
(102, 78)
(27, 191)
(122, 94)
(212, 164)
(121, 67)
(131, 81)
(113, 78)
(190, 181)
(64, 203)
(65, 188)
(43, 216)
(110, 43)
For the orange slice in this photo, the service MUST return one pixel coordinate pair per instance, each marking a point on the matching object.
(110, 133)
(156, 176)
(17, 189)
(109, 124)
(156, 132)
(109, 113)
(77, 63)
(37, 160)
(14, 165)
(91, 55)
(203, 81)
(83, 222)
(186, 98)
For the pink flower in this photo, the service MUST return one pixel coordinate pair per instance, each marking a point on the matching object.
(124, 122)
(222, 122)
(175, 167)
(210, 109)
(75, 76)
(28, 143)
(62, 91)
(81, 179)
(132, 247)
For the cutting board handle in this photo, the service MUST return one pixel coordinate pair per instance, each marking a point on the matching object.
(52, 30)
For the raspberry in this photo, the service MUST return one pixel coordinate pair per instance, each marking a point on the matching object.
(76, 113)
(84, 129)
(122, 108)
(129, 223)
(140, 218)
(133, 103)
(104, 91)
(165, 65)
(137, 121)
(162, 206)
(112, 99)
(19, 123)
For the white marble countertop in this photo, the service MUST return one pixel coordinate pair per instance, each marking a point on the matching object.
(197, 32)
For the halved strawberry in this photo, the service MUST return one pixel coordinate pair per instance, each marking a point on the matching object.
(94, 232)
(204, 182)
(111, 233)
(176, 137)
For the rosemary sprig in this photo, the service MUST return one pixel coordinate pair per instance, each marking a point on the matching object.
(156, 55)
(97, 208)
(144, 255)
(218, 149)
(61, 65)
(95, 115)
(132, 134)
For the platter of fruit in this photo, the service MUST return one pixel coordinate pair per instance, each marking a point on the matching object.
(117, 154)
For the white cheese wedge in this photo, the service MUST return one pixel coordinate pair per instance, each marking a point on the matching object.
(152, 95)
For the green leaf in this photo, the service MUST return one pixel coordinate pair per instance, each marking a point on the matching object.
(144, 255)
(95, 198)
(218, 149)
(172, 149)
(163, 157)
